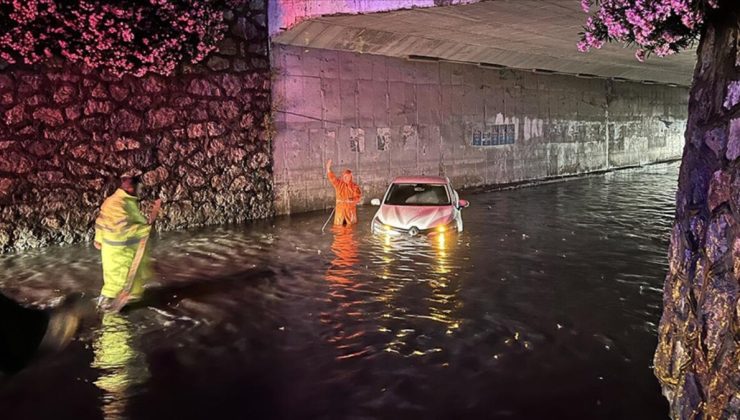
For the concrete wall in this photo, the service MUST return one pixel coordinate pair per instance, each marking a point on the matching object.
(199, 137)
(427, 113)
(285, 13)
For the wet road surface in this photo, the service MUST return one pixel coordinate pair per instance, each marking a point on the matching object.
(545, 307)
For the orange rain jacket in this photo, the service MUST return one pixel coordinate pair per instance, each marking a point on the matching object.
(348, 195)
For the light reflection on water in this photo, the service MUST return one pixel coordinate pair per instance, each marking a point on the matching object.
(546, 306)
(121, 366)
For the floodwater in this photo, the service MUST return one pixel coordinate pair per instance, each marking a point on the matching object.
(545, 307)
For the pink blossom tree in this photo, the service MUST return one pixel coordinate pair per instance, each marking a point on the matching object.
(121, 36)
(698, 356)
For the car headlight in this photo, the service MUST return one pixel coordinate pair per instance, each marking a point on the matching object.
(380, 227)
(449, 227)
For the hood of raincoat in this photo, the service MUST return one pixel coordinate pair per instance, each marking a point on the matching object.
(345, 173)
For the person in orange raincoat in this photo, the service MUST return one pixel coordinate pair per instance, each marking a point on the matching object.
(348, 195)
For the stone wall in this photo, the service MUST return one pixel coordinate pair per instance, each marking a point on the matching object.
(200, 138)
(383, 117)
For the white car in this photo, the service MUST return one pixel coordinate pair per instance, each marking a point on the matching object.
(416, 205)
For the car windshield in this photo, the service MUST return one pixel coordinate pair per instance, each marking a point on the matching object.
(417, 195)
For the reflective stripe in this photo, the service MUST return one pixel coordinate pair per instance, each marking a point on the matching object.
(128, 242)
(120, 222)
(105, 228)
(113, 232)
(118, 230)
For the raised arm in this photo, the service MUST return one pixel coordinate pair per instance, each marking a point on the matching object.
(329, 174)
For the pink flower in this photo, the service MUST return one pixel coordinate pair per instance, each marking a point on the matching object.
(103, 35)
(662, 27)
(127, 35)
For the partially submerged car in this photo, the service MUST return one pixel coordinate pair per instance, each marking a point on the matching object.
(415, 205)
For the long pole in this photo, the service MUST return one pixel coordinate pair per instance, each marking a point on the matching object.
(327, 220)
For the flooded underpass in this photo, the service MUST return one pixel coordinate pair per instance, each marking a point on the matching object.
(546, 306)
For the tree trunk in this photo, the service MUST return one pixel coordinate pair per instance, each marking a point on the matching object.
(698, 356)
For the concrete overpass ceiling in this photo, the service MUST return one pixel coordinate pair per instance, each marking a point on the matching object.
(521, 34)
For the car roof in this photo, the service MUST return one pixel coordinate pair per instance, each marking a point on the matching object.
(420, 180)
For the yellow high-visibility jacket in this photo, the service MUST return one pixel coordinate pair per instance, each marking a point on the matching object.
(119, 228)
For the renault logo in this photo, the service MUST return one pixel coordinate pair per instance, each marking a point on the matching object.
(414, 231)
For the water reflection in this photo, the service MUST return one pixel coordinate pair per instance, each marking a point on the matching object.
(551, 295)
(420, 287)
(344, 248)
(121, 366)
(445, 285)
(345, 294)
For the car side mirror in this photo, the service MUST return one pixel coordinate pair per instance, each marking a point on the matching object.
(463, 204)
(375, 202)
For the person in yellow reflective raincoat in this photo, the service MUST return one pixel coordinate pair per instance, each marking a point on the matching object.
(348, 196)
(119, 229)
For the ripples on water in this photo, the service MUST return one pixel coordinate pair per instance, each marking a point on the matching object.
(545, 307)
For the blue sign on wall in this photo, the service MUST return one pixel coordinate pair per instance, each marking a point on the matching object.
(495, 135)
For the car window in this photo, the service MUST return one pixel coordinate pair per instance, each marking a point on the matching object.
(417, 195)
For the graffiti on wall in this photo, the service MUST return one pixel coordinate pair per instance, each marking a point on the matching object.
(383, 138)
(357, 140)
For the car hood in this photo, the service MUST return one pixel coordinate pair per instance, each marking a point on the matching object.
(423, 217)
